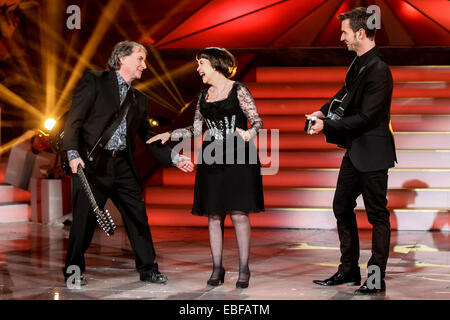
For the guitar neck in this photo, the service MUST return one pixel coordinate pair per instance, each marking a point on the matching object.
(87, 188)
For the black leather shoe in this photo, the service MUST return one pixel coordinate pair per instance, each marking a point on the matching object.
(83, 281)
(216, 281)
(364, 289)
(153, 275)
(338, 279)
(242, 284)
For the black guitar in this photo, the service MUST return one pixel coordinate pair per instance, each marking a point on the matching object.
(335, 113)
(104, 218)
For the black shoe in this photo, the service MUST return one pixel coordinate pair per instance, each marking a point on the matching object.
(82, 282)
(153, 275)
(338, 279)
(242, 284)
(364, 289)
(216, 281)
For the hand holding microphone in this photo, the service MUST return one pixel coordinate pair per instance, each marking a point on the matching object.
(309, 122)
(313, 123)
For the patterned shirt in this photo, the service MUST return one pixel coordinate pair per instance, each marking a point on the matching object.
(119, 138)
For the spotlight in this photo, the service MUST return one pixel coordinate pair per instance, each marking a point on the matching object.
(49, 124)
(153, 122)
(158, 121)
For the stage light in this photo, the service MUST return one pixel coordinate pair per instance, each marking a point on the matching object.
(153, 122)
(49, 124)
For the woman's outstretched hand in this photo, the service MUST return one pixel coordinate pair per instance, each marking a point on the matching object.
(185, 164)
(244, 134)
(164, 137)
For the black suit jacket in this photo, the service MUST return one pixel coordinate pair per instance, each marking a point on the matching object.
(365, 125)
(95, 101)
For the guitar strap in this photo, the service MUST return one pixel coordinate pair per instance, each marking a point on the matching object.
(349, 93)
(114, 122)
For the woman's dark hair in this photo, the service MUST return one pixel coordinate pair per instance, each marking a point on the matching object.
(221, 59)
(358, 19)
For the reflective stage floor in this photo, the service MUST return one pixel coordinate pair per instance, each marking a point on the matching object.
(283, 265)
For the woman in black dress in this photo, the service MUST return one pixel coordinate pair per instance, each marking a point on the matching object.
(228, 178)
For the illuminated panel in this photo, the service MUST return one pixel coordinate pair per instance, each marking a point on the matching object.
(423, 30)
(255, 30)
(306, 30)
(216, 12)
(278, 23)
(332, 33)
(436, 9)
(392, 28)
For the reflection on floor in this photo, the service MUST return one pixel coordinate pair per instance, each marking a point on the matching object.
(283, 265)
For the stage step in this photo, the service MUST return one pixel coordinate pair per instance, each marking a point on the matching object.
(9, 193)
(14, 212)
(403, 140)
(296, 178)
(429, 159)
(327, 90)
(416, 122)
(337, 74)
(300, 106)
(14, 202)
(410, 198)
(304, 218)
(331, 158)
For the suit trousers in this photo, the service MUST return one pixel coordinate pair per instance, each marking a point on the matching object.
(117, 181)
(373, 187)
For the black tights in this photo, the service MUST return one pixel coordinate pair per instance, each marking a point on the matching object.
(241, 225)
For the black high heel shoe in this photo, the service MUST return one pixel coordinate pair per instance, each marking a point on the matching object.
(242, 284)
(216, 281)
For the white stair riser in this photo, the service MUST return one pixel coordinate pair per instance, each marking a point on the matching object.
(14, 213)
(10, 193)
(337, 74)
(305, 106)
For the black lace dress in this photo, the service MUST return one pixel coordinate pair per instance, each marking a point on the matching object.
(228, 176)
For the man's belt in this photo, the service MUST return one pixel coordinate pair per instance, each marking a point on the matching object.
(115, 153)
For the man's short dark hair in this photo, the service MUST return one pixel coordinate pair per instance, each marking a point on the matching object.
(358, 19)
(221, 59)
(122, 49)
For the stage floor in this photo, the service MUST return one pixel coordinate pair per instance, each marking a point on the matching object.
(283, 265)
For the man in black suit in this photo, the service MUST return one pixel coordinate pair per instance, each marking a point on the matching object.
(364, 131)
(112, 174)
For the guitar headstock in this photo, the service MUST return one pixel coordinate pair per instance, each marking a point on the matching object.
(105, 221)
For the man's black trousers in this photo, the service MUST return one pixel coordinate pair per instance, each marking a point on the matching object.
(373, 187)
(114, 179)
